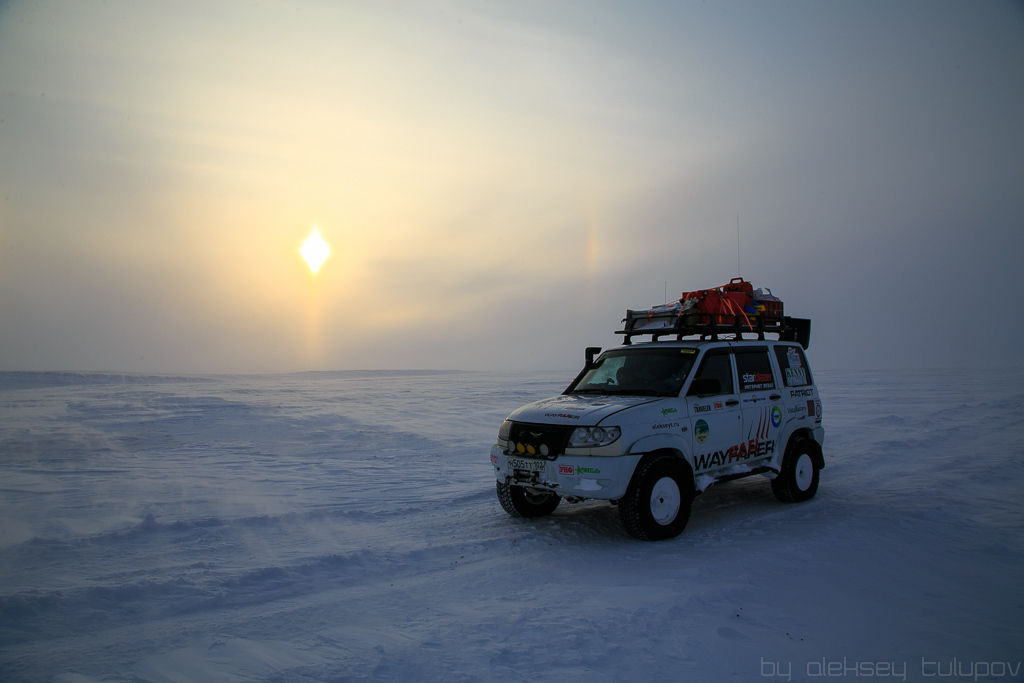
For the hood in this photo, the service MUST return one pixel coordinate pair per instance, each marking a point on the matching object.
(576, 409)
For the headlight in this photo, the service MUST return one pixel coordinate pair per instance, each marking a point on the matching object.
(504, 430)
(590, 437)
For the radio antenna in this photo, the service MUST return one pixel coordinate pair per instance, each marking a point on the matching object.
(738, 274)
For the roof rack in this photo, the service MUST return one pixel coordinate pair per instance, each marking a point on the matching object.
(788, 329)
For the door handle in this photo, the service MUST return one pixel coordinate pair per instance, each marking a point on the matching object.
(733, 402)
(775, 397)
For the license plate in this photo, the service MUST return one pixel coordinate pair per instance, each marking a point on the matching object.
(528, 465)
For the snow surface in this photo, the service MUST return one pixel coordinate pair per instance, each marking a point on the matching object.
(343, 527)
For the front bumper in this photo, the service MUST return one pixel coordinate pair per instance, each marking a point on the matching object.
(570, 476)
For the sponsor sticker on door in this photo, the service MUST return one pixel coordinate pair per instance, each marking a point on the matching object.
(701, 431)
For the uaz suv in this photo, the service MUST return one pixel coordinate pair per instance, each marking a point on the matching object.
(648, 426)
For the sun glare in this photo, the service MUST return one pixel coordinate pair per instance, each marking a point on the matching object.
(315, 251)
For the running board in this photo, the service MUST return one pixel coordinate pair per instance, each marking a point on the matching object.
(740, 475)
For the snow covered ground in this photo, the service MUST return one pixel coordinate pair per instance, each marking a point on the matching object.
(343, 527)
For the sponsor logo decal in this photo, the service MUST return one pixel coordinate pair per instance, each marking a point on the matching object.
(754, 448)
(701, 409)
(752, 399)
(753, 381)
(796, 376)
(718, 405)
(565, 415)
(793, 356)
(665, 425)
(800, 393)
(494, 459)
(571, 470)
(666, 411)
(765, 422)
(701, 431)
(793, 410)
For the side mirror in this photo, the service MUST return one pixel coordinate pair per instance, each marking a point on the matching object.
(590, 353)
(704, 387)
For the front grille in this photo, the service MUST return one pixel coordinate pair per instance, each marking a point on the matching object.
(555, 437)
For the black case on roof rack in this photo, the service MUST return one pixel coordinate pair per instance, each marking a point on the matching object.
(658, 324)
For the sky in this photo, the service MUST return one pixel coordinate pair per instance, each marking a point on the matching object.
(499, 181)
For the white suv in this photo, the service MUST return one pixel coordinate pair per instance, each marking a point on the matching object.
(649, 426)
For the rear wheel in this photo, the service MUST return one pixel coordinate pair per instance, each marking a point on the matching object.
(798, 480)
(520, 501)
(658, 501)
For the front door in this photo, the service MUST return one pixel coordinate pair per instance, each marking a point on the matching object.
(715, 417)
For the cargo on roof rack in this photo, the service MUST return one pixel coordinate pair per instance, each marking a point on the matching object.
(735, 309)
(658, 323)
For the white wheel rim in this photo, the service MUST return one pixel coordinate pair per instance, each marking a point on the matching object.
(804, 472)
(665, 500)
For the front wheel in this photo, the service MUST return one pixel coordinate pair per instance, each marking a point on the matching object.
(520, 501)
(798, 480)
(658, 501)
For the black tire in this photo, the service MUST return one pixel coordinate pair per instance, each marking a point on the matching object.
(798, 480)
(658, 501)
(520, 501)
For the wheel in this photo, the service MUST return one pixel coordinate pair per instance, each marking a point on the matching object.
(520, 501)
(798, 480)
(658, 501)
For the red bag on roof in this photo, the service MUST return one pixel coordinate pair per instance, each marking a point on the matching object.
(725, 302)
(738, 284)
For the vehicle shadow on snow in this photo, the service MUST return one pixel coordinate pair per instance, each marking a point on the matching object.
(743, 503)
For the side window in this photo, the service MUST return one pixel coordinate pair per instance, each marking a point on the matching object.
(716, 366)
(795, 372)
(754, 369)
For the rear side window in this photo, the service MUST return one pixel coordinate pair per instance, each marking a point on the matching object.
(795, 372)
(754, 369)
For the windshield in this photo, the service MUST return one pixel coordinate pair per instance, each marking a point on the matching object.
(638, 372)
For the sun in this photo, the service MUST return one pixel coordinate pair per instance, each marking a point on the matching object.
(315, 251)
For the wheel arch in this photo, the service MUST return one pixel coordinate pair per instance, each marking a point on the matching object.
(803, 434)
(669, 443)
(672, 452)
